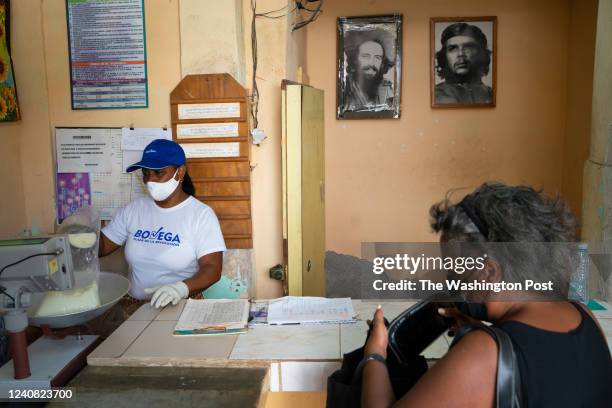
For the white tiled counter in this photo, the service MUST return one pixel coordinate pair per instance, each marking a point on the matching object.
(300, 357)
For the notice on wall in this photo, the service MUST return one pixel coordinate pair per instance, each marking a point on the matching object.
(113, 189)
(103, 183)
(206, 150)
(208, 110)
(206, 130)
(139, 138)
(134, 140)
(108, 67)
(130, 157)
(82, 150)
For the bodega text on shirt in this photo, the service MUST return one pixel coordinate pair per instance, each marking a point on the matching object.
(157, 237)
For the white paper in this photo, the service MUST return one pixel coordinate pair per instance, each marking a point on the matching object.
(138, 187)
(130, 157)
(204, 150)
(139, 138)
(204, 313)
(298, 309)
(113, 189)
(209, 110)
(206, 130)
(83, 150)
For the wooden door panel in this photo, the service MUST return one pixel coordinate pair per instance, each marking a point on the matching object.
(303, 183)
(313, 210)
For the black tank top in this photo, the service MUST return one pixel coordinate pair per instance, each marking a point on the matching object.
(572, 369)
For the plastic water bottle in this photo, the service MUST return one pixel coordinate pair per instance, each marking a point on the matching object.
(579, 282)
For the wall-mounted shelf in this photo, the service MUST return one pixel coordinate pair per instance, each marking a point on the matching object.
(209, 120)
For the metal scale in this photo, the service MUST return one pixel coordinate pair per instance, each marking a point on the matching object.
(51, 360)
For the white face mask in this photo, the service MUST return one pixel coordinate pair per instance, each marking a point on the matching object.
(161, 191)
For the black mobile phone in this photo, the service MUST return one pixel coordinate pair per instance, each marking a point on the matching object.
(413, 330)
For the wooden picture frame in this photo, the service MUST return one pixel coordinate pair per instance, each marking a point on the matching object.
(465, 75)
(9, 105)
(369, 62)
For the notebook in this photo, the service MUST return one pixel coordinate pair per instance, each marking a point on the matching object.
(213, 316)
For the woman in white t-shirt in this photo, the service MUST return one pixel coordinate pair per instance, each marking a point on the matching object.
(173, 242)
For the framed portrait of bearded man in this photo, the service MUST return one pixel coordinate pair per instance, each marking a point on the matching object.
(369, 67)
(463, 62)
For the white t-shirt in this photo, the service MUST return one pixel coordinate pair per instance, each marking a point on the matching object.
(163, 245)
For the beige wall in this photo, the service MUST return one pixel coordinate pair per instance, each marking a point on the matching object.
(18, 159)
(35, 144)
(12, 212)
(280, 54)
(383, 175)
(581, 54)
(212, 37)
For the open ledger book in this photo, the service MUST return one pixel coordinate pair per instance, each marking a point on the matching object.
(213, 316)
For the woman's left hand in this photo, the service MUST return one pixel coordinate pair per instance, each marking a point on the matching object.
(166, 294)
(379, 336)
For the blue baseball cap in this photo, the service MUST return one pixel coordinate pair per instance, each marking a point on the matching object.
(158, 154)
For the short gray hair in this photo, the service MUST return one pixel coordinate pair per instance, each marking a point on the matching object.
(512, 214)
(527, 232)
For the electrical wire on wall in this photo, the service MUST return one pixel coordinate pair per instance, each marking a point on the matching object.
(314, 13)
(306, 13)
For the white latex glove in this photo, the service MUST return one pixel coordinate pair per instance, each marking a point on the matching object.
(165, 294)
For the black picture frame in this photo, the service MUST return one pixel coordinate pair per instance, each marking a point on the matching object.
(446, 91)
(373, 91)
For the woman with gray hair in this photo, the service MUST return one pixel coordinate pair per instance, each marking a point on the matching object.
(562, 355)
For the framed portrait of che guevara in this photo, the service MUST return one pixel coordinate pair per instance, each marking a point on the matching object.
(369, 67)
(463, 62)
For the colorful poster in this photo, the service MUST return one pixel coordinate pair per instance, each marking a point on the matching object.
(73, 192)
(108, 67)
(9, 109)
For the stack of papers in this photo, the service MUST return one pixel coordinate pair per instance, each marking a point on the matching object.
(310, 310)
(213, 316)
